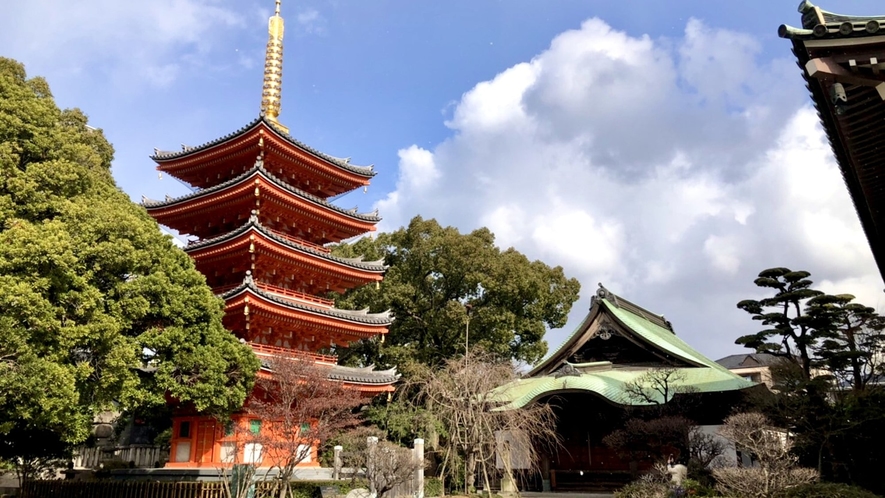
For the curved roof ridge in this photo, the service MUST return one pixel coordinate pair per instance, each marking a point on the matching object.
(820, 24)
(366, 171)
(382, 318)
(254, 223)
(364, 374)
(259, 169)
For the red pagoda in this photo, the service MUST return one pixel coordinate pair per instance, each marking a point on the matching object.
(260, 221)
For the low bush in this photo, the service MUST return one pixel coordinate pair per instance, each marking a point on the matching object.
(694, 487)
(644, 489)
(311, 489)
(825, 490)
(433, 487)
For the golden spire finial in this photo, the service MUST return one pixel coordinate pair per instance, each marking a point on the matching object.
(273, 68)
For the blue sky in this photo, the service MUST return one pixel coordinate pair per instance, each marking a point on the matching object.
(666, 149)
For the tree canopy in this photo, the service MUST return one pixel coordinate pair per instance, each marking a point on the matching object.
(447, 290)
(98, 308)
(828, 389)
(816, 330)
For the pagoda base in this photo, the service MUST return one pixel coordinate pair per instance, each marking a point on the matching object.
(201, 442)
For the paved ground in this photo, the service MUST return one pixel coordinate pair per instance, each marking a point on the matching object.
(565, 495)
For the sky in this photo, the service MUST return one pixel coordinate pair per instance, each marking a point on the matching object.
(665, 149)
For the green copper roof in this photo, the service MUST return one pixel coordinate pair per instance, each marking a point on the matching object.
(610, 385)
(660, 337)
(704, 376)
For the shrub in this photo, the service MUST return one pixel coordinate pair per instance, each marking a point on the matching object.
(311, 489)
(433, 487)
(825, 490)
(775, 467)
(644, 489)
(694, 487)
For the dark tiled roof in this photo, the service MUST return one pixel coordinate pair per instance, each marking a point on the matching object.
(364, 375)
(375, 266)
(343, 163)
(821, 24)
(356, 316)
(258, 169)
(854, 123)
(748, 360)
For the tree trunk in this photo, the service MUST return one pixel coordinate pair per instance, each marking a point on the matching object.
(469, 471)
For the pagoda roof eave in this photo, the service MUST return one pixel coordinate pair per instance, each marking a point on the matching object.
(255, 226)
(354, 375)
(361, 317)
(258, 170)
(165, 156)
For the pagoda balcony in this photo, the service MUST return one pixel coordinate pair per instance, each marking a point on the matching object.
(282, 235)
(300, 242)
(283, 293)
(262, 350)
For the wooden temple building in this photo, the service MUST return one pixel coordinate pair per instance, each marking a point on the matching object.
(842, 59)
(586, 380)
(260, 220)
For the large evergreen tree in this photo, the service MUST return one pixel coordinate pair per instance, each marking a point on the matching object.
(447, 290)
(828, 389)
(98, 309)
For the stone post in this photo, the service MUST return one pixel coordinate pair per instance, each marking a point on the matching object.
(419, 472)
(371, 446)
(336, 471)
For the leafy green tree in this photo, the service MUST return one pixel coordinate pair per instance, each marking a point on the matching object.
(816, 330)
(792, 334)
(852, 340)
(448, 290)
(98, 309)
(827, 391)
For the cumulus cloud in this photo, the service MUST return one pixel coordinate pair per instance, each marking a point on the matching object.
(311, 22)
(671, 170)
(133, 42)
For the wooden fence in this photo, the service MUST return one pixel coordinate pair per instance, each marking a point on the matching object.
(139, 456)
(122, 489)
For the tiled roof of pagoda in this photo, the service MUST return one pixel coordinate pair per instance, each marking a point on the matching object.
(258, 170)
(254, 224)
(356, 316)
(849, 51)
(162, 156)
(355, 375)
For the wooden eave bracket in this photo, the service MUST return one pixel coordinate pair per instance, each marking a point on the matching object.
(825, 68)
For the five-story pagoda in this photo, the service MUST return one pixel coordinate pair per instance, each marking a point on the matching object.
(261, 220)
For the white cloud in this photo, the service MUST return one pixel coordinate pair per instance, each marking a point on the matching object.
(310, 22)
(132, 42)
(673, 171)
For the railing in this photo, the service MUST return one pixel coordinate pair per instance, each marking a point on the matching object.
(300, 241)
(300, 296)
(123, 489)
(282, 292)
(264, 350)
(140, 456)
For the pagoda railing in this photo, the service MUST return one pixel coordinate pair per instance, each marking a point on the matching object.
(292, 354)
(300, 296)
(282, 292)
(301, 242)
